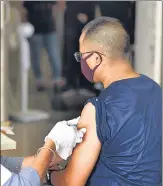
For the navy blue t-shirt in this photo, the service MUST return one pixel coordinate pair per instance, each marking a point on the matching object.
(129, 127)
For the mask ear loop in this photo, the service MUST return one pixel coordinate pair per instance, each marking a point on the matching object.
(88, 56)
(100, 57)
(99, 63)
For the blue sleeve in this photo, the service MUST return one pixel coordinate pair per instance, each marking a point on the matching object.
(102, 127)
(27, 177)
(13, 164)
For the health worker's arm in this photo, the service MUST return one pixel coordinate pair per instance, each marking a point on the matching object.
(34, 175)
(13, 164)
(84, 156)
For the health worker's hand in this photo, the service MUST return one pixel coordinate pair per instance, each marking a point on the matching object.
(65, 136)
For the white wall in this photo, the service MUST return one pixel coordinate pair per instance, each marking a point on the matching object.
(148, 39)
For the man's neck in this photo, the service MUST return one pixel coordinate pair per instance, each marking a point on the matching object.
(119, 72)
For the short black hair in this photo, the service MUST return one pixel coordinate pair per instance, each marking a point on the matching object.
(110, 34)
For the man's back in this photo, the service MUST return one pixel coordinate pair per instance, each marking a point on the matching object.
(128, 119)
(122, 145)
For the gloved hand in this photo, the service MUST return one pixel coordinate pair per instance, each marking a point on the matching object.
(65, 136)
(66, 152)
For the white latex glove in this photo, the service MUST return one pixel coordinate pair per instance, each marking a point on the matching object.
(65, 136)
(63, 152)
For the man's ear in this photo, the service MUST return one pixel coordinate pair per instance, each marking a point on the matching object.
(98, 59)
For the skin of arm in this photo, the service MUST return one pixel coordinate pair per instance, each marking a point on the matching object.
(40, 165)
(43, 159)
(84, 156)
(27, 161)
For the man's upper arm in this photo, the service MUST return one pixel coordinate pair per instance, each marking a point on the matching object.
(85, 155)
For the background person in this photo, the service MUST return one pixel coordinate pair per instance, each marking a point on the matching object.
(77, 14)
(41, 14)
(125, 12)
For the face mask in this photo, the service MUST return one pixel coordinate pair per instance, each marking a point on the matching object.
(86, 71)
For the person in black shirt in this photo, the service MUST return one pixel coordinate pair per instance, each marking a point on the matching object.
(41, 15)
(125, 12)
(77, 14)
(118, 9)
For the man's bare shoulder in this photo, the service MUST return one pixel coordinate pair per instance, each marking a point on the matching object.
(87, 118)
(90, 146)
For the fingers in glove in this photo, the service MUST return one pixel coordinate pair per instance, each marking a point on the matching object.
(83, 130)
(73, 122)
(64, 152)
(80, 135)
(79, 140)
